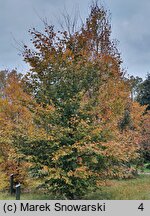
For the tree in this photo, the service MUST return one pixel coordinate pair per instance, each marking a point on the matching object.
(143, 97)
(70, 107)
(15, 122)
(140, 93)
(145, 143)
(144, 93)
(3, 75)
(135, 86)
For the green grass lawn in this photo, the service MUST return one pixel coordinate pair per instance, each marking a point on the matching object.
(133, 189)
(26, 196)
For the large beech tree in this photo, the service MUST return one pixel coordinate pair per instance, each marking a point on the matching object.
(72, 136)
(79, 75)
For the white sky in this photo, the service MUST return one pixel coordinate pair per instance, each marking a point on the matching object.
(130, 25)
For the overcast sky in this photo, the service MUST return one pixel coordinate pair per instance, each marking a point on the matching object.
(130, 25)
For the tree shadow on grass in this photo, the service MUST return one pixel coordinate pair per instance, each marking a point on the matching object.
(99, 195)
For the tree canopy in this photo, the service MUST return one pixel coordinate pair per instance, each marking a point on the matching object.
(144, 92)
(70, 120)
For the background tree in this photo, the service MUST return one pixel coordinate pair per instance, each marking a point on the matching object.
(135, 86)
(15, 122)
(145, 144)
(144, 93)
(143, 97)
(139, 92)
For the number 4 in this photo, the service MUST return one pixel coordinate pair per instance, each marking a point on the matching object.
(141, 207)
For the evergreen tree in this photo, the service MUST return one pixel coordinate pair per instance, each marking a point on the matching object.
(144, 93)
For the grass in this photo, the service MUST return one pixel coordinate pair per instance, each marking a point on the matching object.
(133, 189)
(26, 196)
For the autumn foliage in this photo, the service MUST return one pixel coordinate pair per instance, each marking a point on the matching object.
(70, 121)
